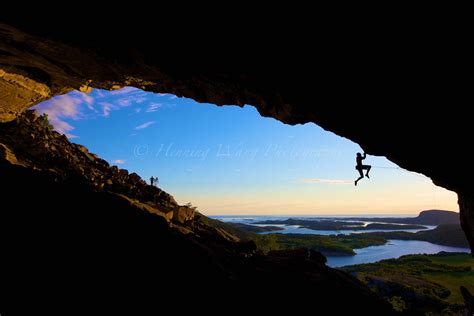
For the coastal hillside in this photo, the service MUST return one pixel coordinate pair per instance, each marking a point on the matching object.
(445, 234)
(436, 217)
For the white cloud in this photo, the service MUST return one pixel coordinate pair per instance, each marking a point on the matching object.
(153, 107)
(326, 181)
(106, 108)
(139, 99)
(118, 161)
(169, 95)
(130, 99)
(124, 101)
(145, 125)
(124, 97)
(89, 101)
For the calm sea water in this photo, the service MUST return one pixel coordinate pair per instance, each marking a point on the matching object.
(393, 249)
(296, 229)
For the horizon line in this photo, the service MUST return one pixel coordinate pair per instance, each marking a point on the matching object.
(319, 215)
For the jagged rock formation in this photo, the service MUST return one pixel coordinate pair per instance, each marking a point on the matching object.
(413, 92)
(81, 230)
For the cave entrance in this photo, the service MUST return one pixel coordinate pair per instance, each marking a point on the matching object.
(262, 175)
(231, 161)
(277, 185)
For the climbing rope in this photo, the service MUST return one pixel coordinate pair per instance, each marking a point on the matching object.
(398, 168)
(435, 195)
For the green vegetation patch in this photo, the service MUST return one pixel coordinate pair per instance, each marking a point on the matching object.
(421, 283)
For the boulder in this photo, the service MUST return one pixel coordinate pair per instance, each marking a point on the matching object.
(86, 152)
(7, 154)
(82, 148)
(168, 214)
(103, 162)
(123, 172)
(183, 214)
(135, 178)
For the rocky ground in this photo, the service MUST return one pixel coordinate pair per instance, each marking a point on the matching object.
(37, 146)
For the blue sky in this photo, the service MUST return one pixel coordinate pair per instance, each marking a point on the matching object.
(229, 160)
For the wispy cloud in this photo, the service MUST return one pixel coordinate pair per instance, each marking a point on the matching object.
(140, 99)
(118, 161)
(129, 100)
(168, 95)
(106, 108)
(117, 104)
(100, 93)
(88, 100)
(153, 107)
(125, 90)
(77, 105)
(65, 107)
(128, 96)
(145, 125)
(124, 102)
(326, 181)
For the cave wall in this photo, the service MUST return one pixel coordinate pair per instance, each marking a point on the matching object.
(401, 98)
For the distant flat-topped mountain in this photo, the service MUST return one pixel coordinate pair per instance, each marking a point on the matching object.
(429, 217)
(436, 217)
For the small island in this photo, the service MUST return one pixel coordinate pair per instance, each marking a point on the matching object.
(317, 224)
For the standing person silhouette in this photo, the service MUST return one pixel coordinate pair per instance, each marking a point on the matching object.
(154, 181)
(361, 167)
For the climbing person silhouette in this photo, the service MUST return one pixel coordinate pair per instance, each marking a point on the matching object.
(361, 167)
